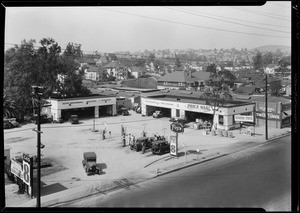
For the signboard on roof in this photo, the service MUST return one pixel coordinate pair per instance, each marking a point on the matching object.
(243, 118)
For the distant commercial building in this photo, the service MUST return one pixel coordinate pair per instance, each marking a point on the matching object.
(94, 106)
(181, 104)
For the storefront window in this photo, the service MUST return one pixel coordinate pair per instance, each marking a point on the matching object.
(221, 119)
(177, 113)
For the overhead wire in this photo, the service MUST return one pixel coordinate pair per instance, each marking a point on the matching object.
(229, 21)
(262, 14)
(198, 26)
(271, 25)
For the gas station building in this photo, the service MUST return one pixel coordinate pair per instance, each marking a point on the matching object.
(179, 104)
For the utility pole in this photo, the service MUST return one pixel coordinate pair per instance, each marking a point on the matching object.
(266, 106)
(37, 91)
(38, 203)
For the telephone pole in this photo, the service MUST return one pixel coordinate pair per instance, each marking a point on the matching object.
(37, 91)
(266, 106)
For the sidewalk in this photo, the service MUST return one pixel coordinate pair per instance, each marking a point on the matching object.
(210, 147)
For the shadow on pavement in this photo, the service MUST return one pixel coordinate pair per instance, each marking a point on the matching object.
(48, 189)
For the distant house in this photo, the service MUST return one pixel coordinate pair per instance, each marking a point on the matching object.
(93, 73)
(270, 68)
(117, 69)
(247, 90)
(176, 80)
(138, 71)
(200, 77)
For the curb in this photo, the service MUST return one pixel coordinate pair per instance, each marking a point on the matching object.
(209, 159)
(189, 165)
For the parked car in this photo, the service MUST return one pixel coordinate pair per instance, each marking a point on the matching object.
(7, 124)
(157, 114)
(124, 111)
(89, 163)
(74, 119)
(121, 110)
(172, 119)
(160, 147)
(43, 119)
(14, 122)
(182, 121)
(138, 144)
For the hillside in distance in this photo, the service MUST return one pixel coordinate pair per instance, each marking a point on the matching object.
(273, 48)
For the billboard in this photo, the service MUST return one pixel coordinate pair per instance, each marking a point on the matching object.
(16, 168)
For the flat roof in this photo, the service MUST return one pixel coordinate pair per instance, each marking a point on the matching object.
(197, 101)
(80, 98)
(136, 89)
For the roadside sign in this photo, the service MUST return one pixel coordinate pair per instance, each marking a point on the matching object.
(16, 168)
(176, 127)
(26, 173)
(173, 145)
(243, 118)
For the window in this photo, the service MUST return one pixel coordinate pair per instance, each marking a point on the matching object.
(221, 119)
(177, 113)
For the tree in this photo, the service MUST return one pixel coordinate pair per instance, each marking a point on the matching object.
(268, 58)
(10, 108)
(217, 94)
(177, 62)
(228, 77)
(140, 62)
(151, 57)
(20, 73)
(73, 50)
(258, 62)
(211, 68)
(275, 87)
(26, 66)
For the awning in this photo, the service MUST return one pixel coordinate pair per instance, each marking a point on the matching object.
(287, 113)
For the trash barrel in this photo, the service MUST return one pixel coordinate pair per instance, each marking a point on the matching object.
(225, 133)
(219, 132)
(213, 132)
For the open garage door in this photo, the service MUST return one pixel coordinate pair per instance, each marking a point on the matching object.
(166, 112)
(105, 111)
(83, 113)
(192, 116)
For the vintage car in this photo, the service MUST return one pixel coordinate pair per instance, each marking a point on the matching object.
(182, 121)
(74, 119)
(89, 163)
(157, 114)
(7, 124)
(160, 147)
(138, 144)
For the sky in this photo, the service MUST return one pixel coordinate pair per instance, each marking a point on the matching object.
(112, 29)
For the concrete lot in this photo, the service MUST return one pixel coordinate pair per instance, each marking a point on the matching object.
(65, 144)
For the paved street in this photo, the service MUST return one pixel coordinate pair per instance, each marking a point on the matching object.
(257, 178)
(65, 144)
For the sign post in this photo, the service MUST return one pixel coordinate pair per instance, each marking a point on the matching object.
(175, 127)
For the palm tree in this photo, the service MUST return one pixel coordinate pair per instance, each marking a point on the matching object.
(9, 106)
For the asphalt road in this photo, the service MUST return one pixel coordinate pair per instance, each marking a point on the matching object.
(257, 178)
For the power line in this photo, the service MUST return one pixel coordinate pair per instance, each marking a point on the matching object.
(272, 25)
(198, 26)
(230, 21)
(262, 14)
(281, 5)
